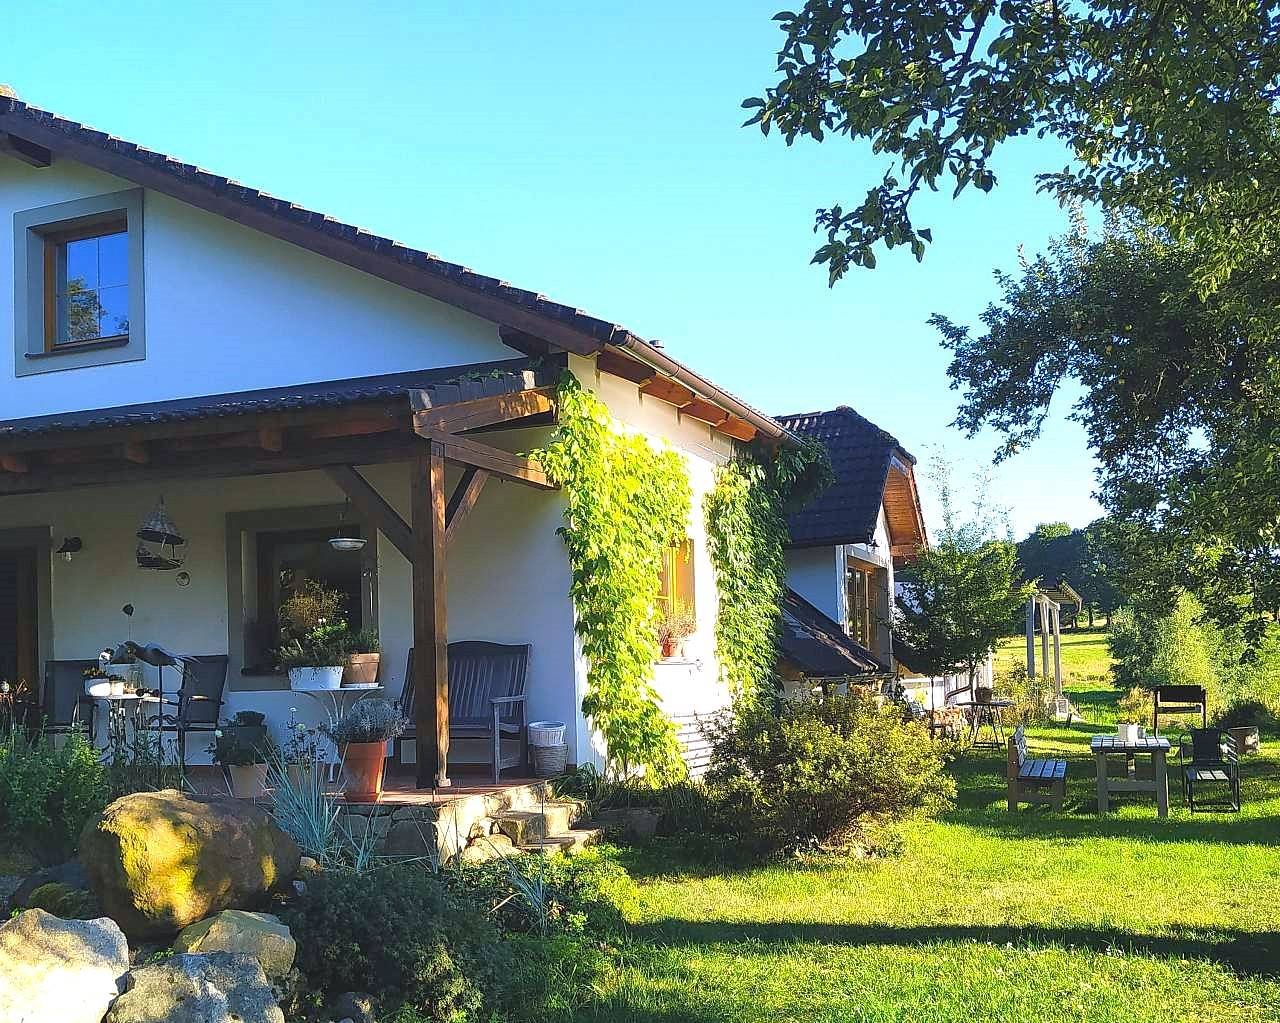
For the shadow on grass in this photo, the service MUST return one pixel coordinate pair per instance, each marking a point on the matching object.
(1245, 953)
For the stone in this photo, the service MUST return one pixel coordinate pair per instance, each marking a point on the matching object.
(523, 826)
(261, 935)
(355, 1006)
(59, 971)
(64, 901)
(159, 861)
(491, 847)
(308, 865)
(411, 838)
(220, 987)
(635, 824)
(70, 874)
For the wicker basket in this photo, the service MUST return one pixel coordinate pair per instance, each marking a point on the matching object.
(546, 733)
(548, 761)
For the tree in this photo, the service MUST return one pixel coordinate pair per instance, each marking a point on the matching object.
(958, 596)
(1055, 551)
(1179, 398)
(1168, 110)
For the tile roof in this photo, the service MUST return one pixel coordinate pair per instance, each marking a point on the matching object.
(818, 646)
(444, 384)
(861, 453)
(563, 325)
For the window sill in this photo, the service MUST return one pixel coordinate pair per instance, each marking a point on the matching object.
(83, 346)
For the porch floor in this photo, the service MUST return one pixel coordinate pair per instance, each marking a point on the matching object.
(399, 787)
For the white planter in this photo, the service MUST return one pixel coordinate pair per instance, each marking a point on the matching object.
(1129, 733)
(312, 679)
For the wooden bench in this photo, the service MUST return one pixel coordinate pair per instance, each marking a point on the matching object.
(1029, 778)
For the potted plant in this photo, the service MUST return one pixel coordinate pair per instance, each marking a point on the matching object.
(362, 734)
(363, 658)
(244, 761)
(313, 637)
(674, 627)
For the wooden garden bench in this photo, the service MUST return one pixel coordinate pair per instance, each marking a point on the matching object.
(1029, 778)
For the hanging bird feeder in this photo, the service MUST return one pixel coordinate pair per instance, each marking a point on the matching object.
(346, 538)
(160, 546)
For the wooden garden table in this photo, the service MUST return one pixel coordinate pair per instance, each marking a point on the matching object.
(1104, 746)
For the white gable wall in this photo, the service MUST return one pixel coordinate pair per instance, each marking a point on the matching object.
(230, 309)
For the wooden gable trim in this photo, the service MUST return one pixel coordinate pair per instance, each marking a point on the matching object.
(666, 389)
(28, 152)
(461, 416)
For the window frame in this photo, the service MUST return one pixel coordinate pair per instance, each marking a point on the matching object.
(673, 601)
(856, 569)
(37, 232)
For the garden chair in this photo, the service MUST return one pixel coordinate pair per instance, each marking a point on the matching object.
(1028, 778)
(66, 707)
(486, 697)
(1208, 757)
(1177, 700)
(199, 701)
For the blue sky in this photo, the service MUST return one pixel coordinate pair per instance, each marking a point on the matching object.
(593, 154)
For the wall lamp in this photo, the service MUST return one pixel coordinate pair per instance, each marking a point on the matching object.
(70, 545)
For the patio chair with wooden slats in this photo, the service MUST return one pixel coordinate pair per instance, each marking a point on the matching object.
(1208, 757)
(1179, 700)
(66, 707)
(486, 697)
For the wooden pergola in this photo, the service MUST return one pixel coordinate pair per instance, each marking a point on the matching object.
(427, 427)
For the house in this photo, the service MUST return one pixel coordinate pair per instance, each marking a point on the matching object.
(279, 379)
(847, 542)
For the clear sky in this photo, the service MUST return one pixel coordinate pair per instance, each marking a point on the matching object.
(590, 153)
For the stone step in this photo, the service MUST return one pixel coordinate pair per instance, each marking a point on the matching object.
(570, 842)
(561, 815)
(523, 826)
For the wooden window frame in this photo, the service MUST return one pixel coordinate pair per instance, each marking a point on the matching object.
(115, 222)
(673, 600)
(863, 625)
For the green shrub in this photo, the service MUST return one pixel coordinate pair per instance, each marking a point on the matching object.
(547, 896)
(1245, 713)
(402, 935)
(47, 794)
(1031, 695)
(805, 774)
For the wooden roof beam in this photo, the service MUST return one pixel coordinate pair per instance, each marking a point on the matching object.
(21, 149)
(461, 416)
(738, 429)
(495, 461)
(609, 361)
(374, 507)
(666, 389)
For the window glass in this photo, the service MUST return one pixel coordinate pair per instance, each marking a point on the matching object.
(91, 286)
(863, 597)
(675, 579)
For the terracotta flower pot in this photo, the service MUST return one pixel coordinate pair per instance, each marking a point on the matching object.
(361, 669)
(248, 781)
(363, 764)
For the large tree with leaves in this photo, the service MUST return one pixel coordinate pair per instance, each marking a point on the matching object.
(1169, 110)
(1179, 396)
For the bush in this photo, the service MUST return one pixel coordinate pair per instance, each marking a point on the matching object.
(1247, 713)
(541, 896)
(47, 794)
(1031, 696)
(805, 774)
(399, 933)
(1135, 707)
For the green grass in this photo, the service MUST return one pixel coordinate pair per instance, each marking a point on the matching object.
(1086, 670)
(984, 917)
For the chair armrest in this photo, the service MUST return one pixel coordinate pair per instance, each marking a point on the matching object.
(507, 699)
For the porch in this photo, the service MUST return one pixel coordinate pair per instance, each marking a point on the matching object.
(392, 461)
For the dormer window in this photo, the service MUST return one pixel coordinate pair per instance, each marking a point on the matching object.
(79, 277)
(87, 284)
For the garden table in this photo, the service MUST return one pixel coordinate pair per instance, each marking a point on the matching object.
(989, 713)
(1104, 746)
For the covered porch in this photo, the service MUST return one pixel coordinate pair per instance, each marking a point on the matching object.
(423, 467)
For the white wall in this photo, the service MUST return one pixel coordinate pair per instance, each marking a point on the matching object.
(228, 308)
(817, 574)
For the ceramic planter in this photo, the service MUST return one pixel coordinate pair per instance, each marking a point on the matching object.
(361, 669)
(312, 679)
(248, 781)
(363, 764)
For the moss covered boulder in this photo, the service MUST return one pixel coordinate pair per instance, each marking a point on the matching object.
(159, 861)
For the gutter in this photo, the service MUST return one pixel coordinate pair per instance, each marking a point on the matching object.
(668, 366)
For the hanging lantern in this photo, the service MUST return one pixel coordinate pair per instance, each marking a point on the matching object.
(346, 540)
(160, 546)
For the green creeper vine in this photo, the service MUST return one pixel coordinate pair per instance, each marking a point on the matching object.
(746, 518)
(627, 502)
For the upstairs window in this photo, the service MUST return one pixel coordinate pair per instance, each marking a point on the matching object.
(86, 284)
(675, 580)
(863, 588)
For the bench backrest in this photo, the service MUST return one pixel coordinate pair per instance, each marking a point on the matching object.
(478, 672)
(1017, 750)
(1171, 697)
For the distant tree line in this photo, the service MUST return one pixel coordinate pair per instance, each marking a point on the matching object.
(1054, 551)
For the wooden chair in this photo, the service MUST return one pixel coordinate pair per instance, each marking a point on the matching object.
(1179, 700)
(1208, 757)
(486, 697)
(66, 707)
(1029, 778)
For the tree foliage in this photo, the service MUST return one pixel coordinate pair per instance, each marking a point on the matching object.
(626, 502)
(1166, 109)
(1053, 551)
(1179, 396)
(959, 595)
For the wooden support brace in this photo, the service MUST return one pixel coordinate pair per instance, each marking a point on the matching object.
(14, 463)
(135, 453)
(373, 507)
(495, 461)
(463, 500)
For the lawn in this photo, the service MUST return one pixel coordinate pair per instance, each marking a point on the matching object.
(983, 916)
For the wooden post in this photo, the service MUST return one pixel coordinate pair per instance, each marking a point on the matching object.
(1044, 636)
(1031, 637)
(430, 630)
(1057, 650)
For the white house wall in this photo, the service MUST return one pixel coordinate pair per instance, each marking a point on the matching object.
(229, 309)
(817, 574)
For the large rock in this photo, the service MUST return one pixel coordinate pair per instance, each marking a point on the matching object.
(59, 971)
(220, 987)
(260, 935)
(159, 861)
